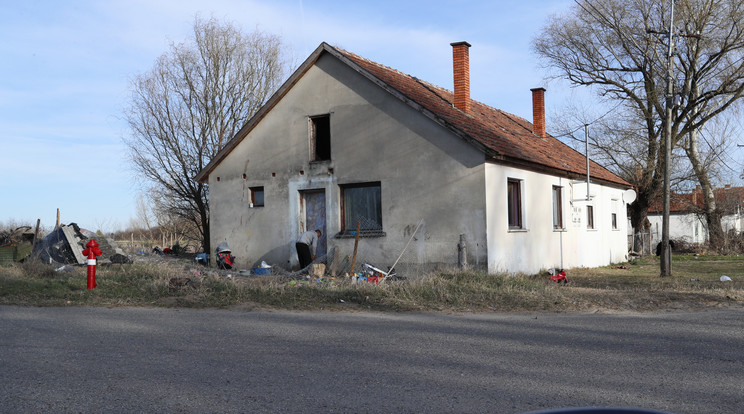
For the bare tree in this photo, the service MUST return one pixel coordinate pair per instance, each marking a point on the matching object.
(196, 97)
(143, 220)
(610, 45)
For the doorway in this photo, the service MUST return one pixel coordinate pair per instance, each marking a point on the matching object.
(313, 216)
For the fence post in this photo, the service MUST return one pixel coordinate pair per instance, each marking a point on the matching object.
(462, 253)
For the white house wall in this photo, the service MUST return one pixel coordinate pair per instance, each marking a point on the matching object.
(538, 246)
(425, 173)
(689, 227)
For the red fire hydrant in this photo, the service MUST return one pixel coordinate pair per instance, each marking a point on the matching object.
(92, 252)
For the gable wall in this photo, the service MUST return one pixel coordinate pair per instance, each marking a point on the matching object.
(425, 173)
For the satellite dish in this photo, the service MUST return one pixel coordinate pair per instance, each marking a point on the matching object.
(629, 196)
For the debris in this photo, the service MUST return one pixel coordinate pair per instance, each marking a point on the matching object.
(202, 258)
(558, 275)
(725, 278)
(623, 267)
(16, 245)
(182, 282)
(378, 274)
(317, 270)
(57, 246)
(225, 259)
(120, 259)
(65, 245)
(261, 271)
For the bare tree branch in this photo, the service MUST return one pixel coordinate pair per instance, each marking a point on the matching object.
(618, 48)
(183, 111)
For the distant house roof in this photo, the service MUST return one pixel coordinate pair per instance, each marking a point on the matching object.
(728, 200)
(503, 137)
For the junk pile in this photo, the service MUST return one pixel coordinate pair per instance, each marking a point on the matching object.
(16, 245)
(225, 259)
(558, 275)
(65, 245)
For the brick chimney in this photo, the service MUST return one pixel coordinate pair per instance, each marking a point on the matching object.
(538, 111)
(461, 64)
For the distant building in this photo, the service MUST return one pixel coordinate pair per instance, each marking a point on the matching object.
(687, 215)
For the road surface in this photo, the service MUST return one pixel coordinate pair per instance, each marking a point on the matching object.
(66, 360)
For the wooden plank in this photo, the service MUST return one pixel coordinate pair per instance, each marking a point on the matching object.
(74, 246)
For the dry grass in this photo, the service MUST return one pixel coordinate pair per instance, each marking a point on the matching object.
(695, 284)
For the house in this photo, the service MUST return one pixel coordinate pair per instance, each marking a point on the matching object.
(687, 220)
(346, 140)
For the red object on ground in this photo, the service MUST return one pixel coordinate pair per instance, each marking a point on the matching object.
(92, 252)
(559, 277)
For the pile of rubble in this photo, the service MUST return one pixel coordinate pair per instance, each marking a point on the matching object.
(63, 246)
(16, 245)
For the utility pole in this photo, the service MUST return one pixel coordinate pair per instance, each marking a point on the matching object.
(666, 253)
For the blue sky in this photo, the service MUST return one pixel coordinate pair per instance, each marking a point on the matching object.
(65, 68)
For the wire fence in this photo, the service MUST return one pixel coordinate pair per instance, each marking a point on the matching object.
(641, 243)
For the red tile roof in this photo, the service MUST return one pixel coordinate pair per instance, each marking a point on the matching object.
(504, 136)
(728, 200)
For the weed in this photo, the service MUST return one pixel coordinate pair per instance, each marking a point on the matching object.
(636, 287)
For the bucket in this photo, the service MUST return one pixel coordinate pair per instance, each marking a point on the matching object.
(261, 271)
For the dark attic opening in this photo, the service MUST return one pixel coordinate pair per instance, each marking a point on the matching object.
(321, 137)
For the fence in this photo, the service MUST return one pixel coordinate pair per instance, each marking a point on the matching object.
(641, 242)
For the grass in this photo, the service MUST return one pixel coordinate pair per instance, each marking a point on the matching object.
(695, 284)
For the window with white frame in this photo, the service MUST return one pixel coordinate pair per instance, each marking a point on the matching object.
(589, 217)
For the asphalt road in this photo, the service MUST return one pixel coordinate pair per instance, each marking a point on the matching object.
(201, 361)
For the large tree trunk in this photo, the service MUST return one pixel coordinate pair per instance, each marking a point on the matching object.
(712, 215)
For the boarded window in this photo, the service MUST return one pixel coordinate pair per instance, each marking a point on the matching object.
(320, 138)
(257, 196)
(362, 203)
(557, 207)
(590, 217)
(514, 203)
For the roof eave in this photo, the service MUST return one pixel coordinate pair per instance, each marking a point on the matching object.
(540, 168)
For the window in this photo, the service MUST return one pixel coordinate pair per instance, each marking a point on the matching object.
(320, 138)
(514, 203)
(557, 207)
(614, 221)
(589, 217)
(257, 196)
(361, 203)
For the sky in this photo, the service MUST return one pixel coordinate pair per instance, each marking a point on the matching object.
(66, 68)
